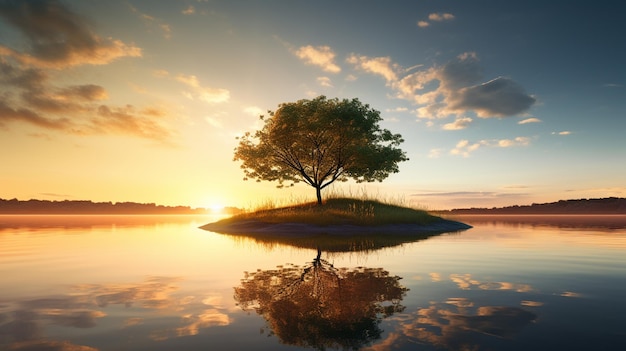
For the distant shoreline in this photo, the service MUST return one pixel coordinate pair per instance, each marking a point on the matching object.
(602, 206)
(85, 207)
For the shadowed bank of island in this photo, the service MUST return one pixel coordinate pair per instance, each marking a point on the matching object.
(337, 217)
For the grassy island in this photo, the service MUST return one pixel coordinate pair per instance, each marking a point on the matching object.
(335, 216)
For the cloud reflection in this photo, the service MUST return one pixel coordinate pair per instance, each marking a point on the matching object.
(23, 323)
(466, 282)
(458, 325)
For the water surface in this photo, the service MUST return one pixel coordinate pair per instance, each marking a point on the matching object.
(161, 283)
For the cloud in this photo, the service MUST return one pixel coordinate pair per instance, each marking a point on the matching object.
(325, 82)
(435, 153)
(322, 56)
(151, 21)
(87, 92)
(210, 95)
(499, 97)
(516, 187)
(377, 65)
(127, 120)
(74, 109)
(190, 10)
(439, 17)
(435, 17)
(465, 148)
(58, 38)
(459, 123)
(519, 141)
(63, 196)
(529, 120)
(454, 89)
(565, 132)
(10, 114)
(351, 78)
(167, 30)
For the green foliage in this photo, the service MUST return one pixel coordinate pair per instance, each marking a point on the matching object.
(320, 141)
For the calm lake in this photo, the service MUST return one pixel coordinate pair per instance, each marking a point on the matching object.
(86, 283)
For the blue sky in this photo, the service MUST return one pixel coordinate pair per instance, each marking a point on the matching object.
(499, 102)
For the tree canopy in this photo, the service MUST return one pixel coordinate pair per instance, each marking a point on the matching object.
(318, 142)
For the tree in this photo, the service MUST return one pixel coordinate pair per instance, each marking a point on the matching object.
(320, 141)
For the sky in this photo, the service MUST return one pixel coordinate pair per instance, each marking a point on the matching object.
(499, 102)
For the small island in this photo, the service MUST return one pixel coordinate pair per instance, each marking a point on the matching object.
(319, 142)
(338, 217)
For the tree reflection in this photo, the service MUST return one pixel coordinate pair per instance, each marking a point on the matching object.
(320, 306)
(335, 243)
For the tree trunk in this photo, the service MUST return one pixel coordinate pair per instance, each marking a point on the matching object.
(318, 192)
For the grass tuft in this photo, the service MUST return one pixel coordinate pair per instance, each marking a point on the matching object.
(338, 211)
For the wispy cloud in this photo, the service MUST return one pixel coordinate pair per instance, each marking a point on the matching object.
(190, 10)
(517, 186)
(465, 148)
(325, 82)
(600, 192)
(439, 17)
(321, 56)
(128, 120)
(64, 196)
(466, 194)
(435, 153)
(435, 17)
(153, 22)
(529, 120)
(206, 94)
(565, 132)
(459, 123)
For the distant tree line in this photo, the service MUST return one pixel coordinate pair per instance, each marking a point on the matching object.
(15, 206)
(611, 205)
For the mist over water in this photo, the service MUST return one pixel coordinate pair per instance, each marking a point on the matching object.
(161, 283)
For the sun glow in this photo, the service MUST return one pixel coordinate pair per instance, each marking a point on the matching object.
(216, 207)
